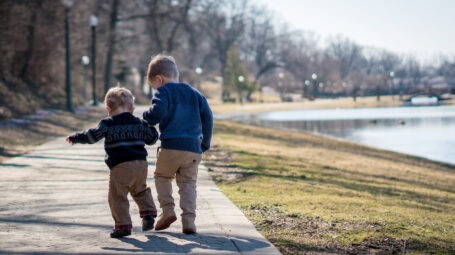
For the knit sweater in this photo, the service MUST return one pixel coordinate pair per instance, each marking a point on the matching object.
(184, 117)
(125, 138)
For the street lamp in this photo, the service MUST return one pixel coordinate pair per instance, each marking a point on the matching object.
(93, 24)
(314, 76)
(69, 103)
(241, 80)
(198, 71)
(85, 62)
(281, 85)
(135, 78)
(392, 75)
(344, 84)
(305, 88)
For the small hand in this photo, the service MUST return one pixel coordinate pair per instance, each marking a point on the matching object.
(69, 141)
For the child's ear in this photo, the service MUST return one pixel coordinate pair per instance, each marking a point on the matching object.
(159, 78)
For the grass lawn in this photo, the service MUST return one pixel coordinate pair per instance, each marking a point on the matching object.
(312, 194)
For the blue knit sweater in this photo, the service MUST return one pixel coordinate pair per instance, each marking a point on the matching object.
(184, 117)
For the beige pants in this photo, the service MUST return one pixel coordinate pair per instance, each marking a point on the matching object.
(183, 165)
(129, 177)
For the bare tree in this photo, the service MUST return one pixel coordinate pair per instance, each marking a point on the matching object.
(413, 71)
(111, 43)
(382, 64)
(348, 54)
(260, 43)
(225, 24)
(447, 70)
(300, 55)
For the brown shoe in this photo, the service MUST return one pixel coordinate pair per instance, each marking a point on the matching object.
(165, 220)
(188, 226)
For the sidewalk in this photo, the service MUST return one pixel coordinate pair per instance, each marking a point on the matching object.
(54, 201)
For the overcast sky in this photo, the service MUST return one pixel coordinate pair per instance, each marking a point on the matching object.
(421, 27)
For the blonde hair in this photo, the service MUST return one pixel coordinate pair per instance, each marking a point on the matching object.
(119, 97)
(162, 65)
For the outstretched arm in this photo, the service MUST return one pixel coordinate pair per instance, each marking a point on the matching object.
(90, 136)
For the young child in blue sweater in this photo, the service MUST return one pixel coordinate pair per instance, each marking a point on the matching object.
(185, 123)
(125, 137)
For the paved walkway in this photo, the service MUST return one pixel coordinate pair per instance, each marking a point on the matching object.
(54, 201)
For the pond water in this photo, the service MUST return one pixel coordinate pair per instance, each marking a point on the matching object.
(422, 131)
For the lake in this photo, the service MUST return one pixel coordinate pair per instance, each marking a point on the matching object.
(427, 132)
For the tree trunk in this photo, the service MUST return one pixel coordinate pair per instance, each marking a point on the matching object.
(378, 93)
(354, 94)
(111, 45)
(30, 41)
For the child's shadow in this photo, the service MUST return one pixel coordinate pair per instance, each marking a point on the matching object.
(167, 242)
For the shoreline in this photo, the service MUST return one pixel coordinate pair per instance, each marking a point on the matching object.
(328, 136)
(379, 117)
(325, 103)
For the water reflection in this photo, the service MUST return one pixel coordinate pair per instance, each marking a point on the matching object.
(424, 131)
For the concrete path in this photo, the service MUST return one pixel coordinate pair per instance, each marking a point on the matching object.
(54, 201)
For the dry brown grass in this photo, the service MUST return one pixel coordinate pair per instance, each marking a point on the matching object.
(309, 193)
(361, 102)
(19, 139)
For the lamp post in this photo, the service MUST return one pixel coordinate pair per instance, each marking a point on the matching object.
(344, 84)
(305, 88)
(93, 24)
(314, 76)
(198, 71)
(69, 102)
(321, 86)
(392, 75)
(135, 79)
(241, 80)
(281, 85)
(85, 62)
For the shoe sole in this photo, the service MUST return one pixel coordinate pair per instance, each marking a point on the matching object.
(167, 223)
(189, 231)
(120, 236)
(147, 228)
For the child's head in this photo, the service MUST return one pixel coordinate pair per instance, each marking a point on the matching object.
(162, 69)
(119, 100)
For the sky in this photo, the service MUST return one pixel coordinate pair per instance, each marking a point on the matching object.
(424, 28)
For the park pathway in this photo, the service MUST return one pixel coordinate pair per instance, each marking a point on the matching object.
(53, 200)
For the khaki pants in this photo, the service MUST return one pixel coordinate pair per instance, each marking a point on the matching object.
(129, 177)
(183, 165)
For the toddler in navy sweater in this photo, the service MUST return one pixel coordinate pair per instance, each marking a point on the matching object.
(125, 138)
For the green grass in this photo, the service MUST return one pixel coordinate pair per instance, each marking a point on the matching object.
(308, 193)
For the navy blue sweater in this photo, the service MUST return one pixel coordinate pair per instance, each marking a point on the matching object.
(184, 117)
(125, 137)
